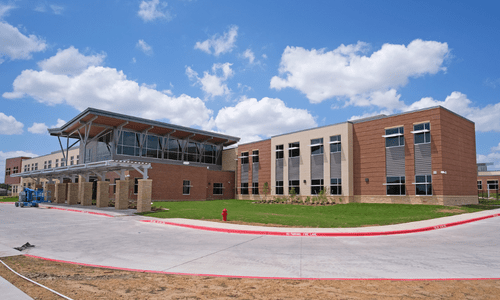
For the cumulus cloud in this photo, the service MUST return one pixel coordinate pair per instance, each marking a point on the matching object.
(9, 125)
(41, 128)
(11, 154)
(109, 89)
(217, 44)
(253, 120)
(15, 45)
(152, 10)
(248, 54)
(70, 62)
(347, 74)
(147, 49)
(213, 84)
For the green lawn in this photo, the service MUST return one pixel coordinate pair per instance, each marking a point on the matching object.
(8, 199)
(342, 215)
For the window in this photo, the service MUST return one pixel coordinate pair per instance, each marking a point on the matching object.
(209, 154)
(492, 184)
(136, 186)
(45, 164)
(423, 185)
(295, 185)
(57, 162)
(422, 133)
(317, 146)
(255, 156)
(394, 137)
(174, 150)
(294, 149)
(335, 186)
(218, 188)
(186, 187)
(255, 188)
(128, 144)
(244, 188)
(26, 168)
(15, 170)
(279, 151)
(72, 160)
(317, 186)
(244, 158)
(479, 184)
(62, 163)
(7, 172)
(49, 165)
(279, 187)
(77, 159)
(396, 186)
(153, 147)
(36, 166)
(335, 144)
(114, 185)
(192, 152)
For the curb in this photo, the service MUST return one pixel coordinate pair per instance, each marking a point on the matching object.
(321, 234)
(81, 211)
(251, 277)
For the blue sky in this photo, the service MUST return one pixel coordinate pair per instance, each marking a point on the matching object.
(251, 69)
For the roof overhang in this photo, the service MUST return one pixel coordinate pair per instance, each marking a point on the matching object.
(101, 120)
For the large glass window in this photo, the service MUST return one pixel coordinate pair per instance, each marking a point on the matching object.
(423, 185)
(317, 185)
(422, 133)
(218, 188)
(255, 156)
(294, 149)
(316, 146)
(394, 137)
(186, 187)
(295, 185)
(335, 144)
(173, 150)
(335, 186)
(492, 184)
(279, 151)
(244, 158)
(244, 188)
(153, 146)
(279, 187)
(192, 152)
(209, 154)
(396, 186)
(255, 188)
(128, 144)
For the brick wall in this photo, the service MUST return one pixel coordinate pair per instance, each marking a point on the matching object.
(264, 148)
(11, 163)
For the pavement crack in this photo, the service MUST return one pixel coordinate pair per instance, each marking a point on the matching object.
(189, 261)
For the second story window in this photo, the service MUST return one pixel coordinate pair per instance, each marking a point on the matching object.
(45, 164)
(279, 151)
(422, 133)
(49, 165)
(335, 145)
(72, 160)
(15, 170)
(294, 149)
(255, 156)
(316, 146)
(36, 166)
(394, 137)
(57, 162)
(7, 172)
(244, 158)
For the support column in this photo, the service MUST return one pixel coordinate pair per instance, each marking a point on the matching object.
(72, 193)
(144, 195)
(60, 193)
(50, 192)
(102, 194)
(121, 196)
(86, 193)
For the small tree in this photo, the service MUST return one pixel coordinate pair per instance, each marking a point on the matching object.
(292, 194)
(265, 190)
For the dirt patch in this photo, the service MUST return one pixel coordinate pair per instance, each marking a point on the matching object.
(80, 282)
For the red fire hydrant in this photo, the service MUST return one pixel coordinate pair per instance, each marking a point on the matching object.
(224, 214)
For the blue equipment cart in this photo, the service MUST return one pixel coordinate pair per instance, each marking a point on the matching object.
(30, 197)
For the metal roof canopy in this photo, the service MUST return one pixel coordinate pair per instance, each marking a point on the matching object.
(104, 119)
(96, 168)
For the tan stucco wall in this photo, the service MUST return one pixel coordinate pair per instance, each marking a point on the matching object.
(229, 159)
(304, 138)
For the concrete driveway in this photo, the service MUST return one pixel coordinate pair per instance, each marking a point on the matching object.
(465, 251)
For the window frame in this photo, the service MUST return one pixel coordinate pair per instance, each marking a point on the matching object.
(186, 186)
(335, 144)
(398, 136)
(401, 184)
(294, 184)
(479, 185)
(294, 149)
(317, 145)
(424, 132)
(136, 185)
(255, 156)
(255, 188)
(244, 158)
(488, 184)
(315, 184)
(337, 185)
(427, 184)
(244, 188)
(218, 186)
(279, 152)
(279, 188)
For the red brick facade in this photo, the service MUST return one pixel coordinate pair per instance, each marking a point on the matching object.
(264, 148)
(484, 180)
(12, 164)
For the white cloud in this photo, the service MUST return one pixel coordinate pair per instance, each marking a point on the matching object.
(70, 62)
(38, 128)
(11, 154)
(345, 73)
(213, 84)
(60, 122)
(109, 89)
(497, 148)
(147, 49)
(43, 7)
(492, 157)
(248, 54)
(219, 44)
(15, 45)
(56, 9)
(4, 9)
(264, 56)
(253, 120)
(152, 10)
(9, 125)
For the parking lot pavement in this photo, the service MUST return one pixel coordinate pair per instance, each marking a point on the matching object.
(464, 251)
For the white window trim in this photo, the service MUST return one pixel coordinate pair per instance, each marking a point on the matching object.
(335, 142)
(293, 148)
(420, 131)
(392, 135)
(313, 145)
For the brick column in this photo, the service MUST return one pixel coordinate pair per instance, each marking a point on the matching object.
(102, 194)
(86, 193)
(60, 193)
(144, 195)
(50, 192)
(38, 186)
(121, 196)
(72, 193)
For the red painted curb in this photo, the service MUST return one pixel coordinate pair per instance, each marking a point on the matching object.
(10, 202)
(81, 211)
(318, 234)
(251, 277)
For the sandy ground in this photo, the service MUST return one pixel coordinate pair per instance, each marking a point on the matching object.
(80, 282)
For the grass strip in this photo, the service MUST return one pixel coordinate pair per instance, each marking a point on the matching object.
(336, 216)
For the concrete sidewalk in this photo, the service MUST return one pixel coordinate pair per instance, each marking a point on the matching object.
(7, 289)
